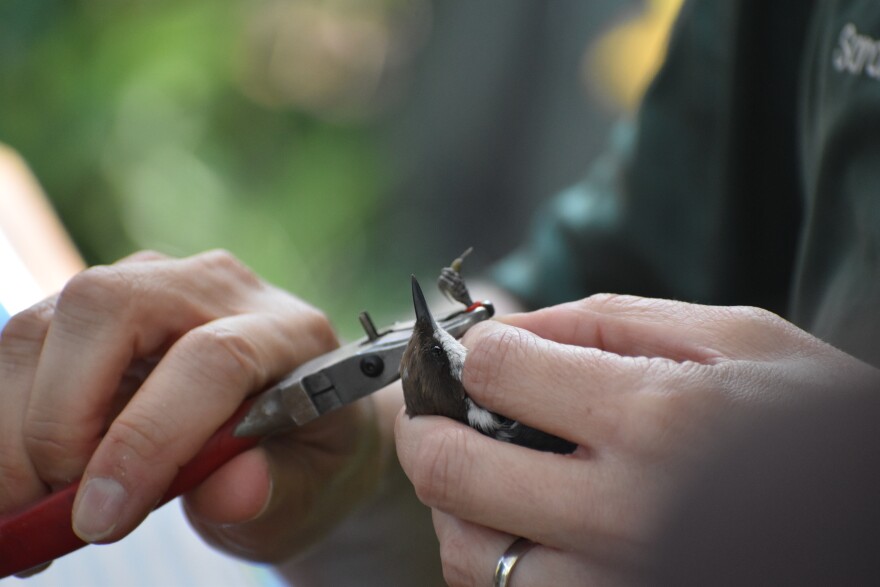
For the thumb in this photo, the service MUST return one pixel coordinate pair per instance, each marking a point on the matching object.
(272, 502)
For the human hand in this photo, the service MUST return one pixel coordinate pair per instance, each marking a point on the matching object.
(641, 385)
(125, 374)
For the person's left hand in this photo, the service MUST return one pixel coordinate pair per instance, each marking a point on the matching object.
(641, 385)
(122, 377)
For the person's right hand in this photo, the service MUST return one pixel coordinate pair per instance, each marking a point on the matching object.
(122, 377)
(644, 387)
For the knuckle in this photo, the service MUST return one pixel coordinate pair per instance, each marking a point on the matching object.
(609, 301)
(317, 326)
(750, 319)
(439, 466)
(104, 288)
(16, 480)
(228, 267)
(138, 435)
(225, 355)
(759, 322)
(637, 307)
(755, 330)
(29, 326)
(754, 315)
(56, 454)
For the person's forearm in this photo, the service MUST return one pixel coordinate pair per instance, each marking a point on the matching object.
(31, 226)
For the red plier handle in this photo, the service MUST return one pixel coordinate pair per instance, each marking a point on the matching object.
(43, 531)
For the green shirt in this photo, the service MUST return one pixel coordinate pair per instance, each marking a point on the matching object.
(751, 176)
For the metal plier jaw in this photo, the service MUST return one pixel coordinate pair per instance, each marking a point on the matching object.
(344, 375)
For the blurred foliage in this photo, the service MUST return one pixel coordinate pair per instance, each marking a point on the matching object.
(176, 125)
(254, 125)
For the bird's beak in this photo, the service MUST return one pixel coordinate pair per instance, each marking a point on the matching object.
(423, 314)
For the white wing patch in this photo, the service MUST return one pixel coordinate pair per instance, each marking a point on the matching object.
(481, 418)
(509, 433)
(478, 416)
(454, 350)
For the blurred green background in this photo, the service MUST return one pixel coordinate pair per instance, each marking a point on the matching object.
(336, 146)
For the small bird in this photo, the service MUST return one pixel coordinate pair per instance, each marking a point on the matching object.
(431, 370)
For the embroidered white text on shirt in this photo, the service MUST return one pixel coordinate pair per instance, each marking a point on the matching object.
(857, 53)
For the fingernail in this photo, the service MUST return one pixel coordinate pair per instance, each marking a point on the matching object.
(99, 509)
(268, 501)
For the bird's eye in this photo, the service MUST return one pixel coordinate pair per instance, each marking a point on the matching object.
(436, 351)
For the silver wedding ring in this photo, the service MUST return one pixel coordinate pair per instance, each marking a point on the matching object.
(508, 560)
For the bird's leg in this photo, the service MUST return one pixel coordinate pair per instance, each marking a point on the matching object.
(451, 283)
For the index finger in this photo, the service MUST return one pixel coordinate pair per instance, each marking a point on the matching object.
(199, 384)
(20, 342)
(636, 326)
(586, 395)
(104, 318)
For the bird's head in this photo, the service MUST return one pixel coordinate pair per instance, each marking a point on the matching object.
(431, 367)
